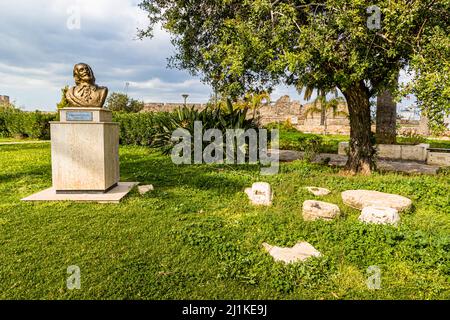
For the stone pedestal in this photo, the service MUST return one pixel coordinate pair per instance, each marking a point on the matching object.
(85, 151)
(85, 158)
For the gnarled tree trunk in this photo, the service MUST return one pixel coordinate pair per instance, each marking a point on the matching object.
(361, 150)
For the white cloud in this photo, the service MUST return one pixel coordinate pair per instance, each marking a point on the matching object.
(41, 51)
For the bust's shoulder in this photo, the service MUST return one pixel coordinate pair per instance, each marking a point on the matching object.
(103, 90)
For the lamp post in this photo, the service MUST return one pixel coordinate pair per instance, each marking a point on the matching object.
(185, 96)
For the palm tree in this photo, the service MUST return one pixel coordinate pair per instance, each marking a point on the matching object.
(322, 105)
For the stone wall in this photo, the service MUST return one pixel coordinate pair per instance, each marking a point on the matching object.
(168, 107)
(4, 99)
(302, 117)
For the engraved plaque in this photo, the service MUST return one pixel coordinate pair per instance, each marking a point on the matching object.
(79, 116)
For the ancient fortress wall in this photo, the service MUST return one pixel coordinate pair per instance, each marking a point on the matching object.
(4, 99)
(304, 117)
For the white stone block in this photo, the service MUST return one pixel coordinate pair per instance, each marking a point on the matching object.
(313, 210)
(300, 252)
(318, 191)
(145, 189)
(389, 151)
(379, 215)
(360, 199)
(439, 159)
(260, 194)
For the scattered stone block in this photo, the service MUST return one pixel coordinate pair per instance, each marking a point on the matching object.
(380, 215)
(318, 191)
(260, 194)
(145, 189)
(300, 252)
(360, 199)
(313, 210)
(343, 148)
(439, 158)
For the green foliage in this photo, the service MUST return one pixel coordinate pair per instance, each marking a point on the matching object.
(431, 84)
(311, 145)
(211, 118)
(285, 126)
(21, 124)
(254, 45)
(123, 103)
(196, 236)
(292, 139)
(137, 128)
(411, 137)
(64, 103)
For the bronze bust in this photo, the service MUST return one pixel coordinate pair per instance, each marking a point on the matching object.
(86, 94)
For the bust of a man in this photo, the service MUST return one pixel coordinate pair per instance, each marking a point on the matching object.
(86, 94)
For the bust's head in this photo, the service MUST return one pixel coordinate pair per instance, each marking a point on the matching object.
(82, 73)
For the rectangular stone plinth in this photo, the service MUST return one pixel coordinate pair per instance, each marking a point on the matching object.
(85, 156)
(112, 196)
(439, 159)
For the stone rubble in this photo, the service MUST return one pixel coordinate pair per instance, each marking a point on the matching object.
(318, 191)
(260, 194)
(145, 189)
(300, 252)
(313, 210)
(380, 215)
(360, 199)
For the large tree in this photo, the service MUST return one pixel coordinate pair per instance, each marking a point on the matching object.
(239, 45)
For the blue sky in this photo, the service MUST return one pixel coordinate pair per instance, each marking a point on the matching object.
(40, 44)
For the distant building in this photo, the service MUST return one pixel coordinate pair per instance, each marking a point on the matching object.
(4, 99)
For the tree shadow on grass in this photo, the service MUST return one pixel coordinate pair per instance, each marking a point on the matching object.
(41, 171)
(164, 174)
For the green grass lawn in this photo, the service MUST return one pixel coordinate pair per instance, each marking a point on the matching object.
(17, 140)
(197, 237)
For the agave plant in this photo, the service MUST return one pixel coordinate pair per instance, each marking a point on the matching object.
(211, 118)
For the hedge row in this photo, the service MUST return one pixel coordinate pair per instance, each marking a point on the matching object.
(19, 124)
(135, 128)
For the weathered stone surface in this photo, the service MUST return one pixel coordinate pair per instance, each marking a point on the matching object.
(144, 189)
(260, 194)
(403, 152)
(360, 199)
(439, 158)
(313, 210)
(318, 191)
(85, 155)
(380, 215)
(300, 252)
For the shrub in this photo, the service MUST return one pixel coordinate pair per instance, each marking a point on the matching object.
(21, 124)
(412, 137)
(285, 126)
(211, 118)
(63, 103)
(136, 128)
(122, 103)
(311, 145)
